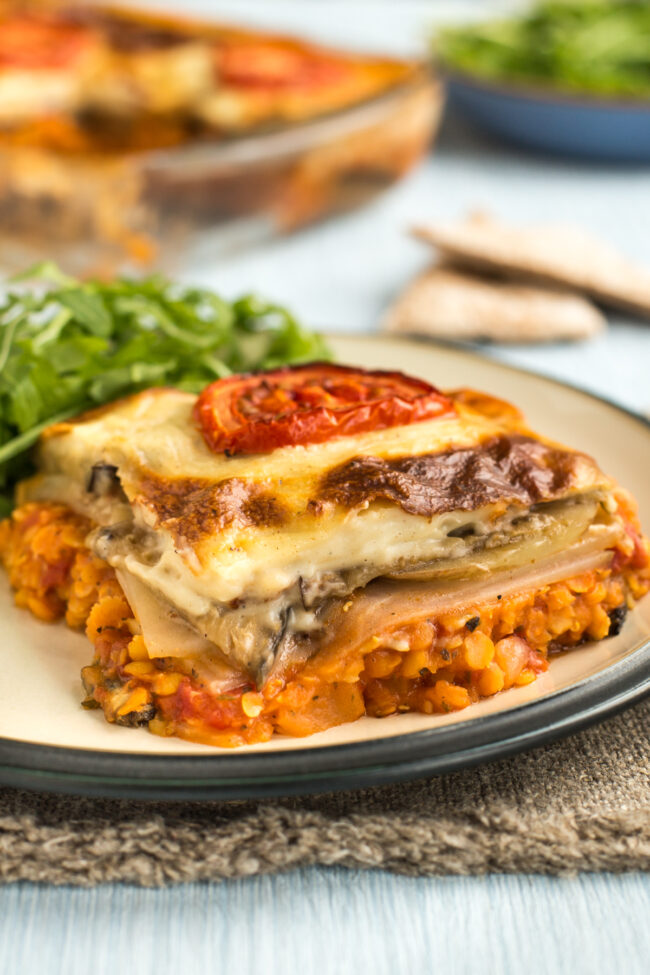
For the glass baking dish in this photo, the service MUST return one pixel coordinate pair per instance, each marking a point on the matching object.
(132, 211)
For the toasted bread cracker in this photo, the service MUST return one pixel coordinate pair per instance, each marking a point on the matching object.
(550, 253)
(446, 303)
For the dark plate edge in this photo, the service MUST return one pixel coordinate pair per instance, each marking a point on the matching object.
(322, 769)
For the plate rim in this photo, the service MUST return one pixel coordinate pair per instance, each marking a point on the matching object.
(261, 775)
(352, 765)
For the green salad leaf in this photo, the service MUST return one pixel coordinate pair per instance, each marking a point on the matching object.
(67, 345)
(595, 47)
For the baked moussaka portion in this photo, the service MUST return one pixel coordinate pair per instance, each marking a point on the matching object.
(294, 549)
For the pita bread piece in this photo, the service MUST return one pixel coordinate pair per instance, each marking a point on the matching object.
(446, 303)
(551, 253)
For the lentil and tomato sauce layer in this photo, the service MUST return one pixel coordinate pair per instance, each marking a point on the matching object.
(436, 664)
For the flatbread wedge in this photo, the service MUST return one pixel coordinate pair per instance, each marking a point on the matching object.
(448, 303)
(555, 254)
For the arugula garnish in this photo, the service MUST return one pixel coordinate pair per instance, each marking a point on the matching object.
(67, 345)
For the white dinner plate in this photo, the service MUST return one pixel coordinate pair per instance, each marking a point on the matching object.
(47, 741)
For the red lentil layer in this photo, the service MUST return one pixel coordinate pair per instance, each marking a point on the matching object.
(433, 666)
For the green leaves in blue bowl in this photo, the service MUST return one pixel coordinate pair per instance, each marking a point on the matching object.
(593, 47)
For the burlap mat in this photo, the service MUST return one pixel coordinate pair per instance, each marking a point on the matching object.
(580, 804)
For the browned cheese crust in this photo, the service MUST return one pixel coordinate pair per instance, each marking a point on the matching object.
(508, 469)
(192, 508)
(511, 469)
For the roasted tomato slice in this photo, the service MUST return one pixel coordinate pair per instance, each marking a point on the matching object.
(255, 413)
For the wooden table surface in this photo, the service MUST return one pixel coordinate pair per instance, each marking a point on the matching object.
(332, 922)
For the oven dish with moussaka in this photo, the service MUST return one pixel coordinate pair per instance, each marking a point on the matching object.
(294, 549)
(133, 131)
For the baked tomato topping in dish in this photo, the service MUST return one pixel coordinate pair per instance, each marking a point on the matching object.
(310, 404)
(38, 42)
(260, 65)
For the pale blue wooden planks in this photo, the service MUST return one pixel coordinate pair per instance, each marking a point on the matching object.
(330, 922)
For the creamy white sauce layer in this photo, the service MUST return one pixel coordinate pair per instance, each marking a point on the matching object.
(155, 432)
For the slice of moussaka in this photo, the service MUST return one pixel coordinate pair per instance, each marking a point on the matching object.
(295, 549)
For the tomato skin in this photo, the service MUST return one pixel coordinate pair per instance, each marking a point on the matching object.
(259, 412)
(537, 662)
(268, 66)
(637, 558)
(33, 42)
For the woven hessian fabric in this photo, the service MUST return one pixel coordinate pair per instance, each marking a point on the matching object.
(582, 804)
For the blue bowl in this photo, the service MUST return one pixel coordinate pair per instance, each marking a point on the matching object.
(594, 128)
